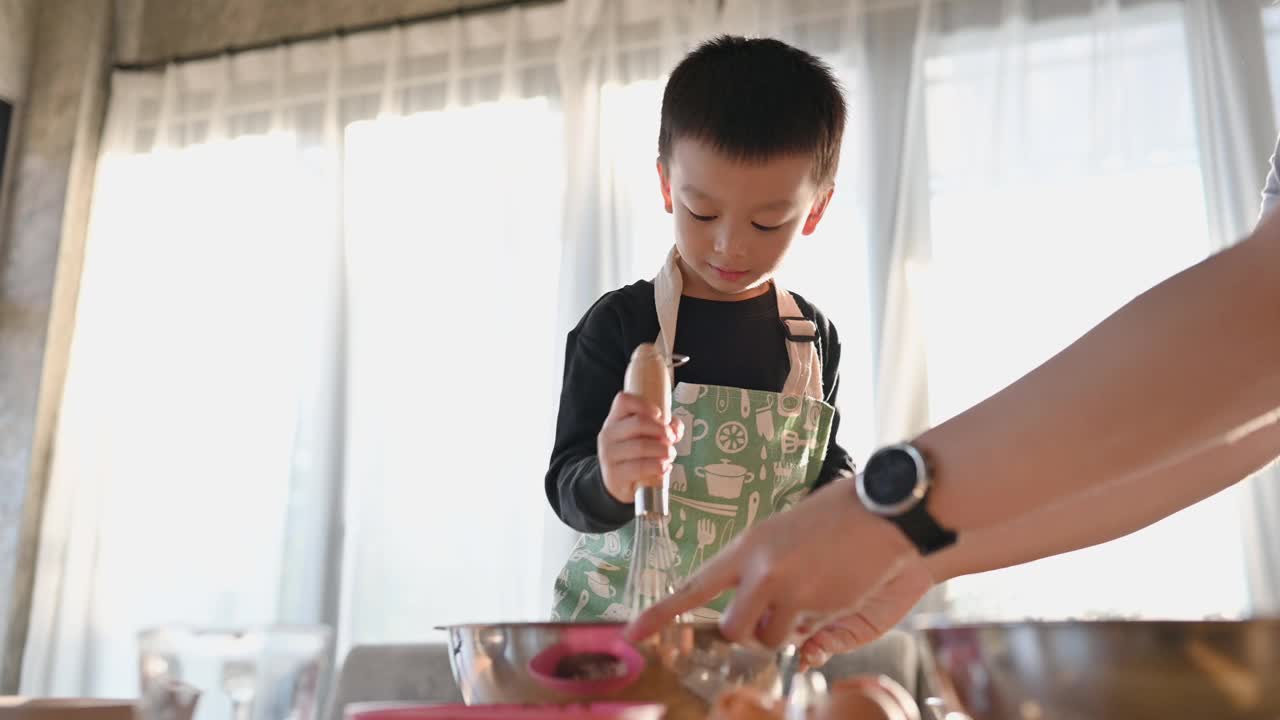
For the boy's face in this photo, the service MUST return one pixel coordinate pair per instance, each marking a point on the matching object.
(735, 220)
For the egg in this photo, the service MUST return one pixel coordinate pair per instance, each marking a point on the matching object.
(745, 704)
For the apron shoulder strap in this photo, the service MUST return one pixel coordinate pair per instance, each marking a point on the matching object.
(805, 377)
(667, 288)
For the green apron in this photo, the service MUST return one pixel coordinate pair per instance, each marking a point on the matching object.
(745, 455)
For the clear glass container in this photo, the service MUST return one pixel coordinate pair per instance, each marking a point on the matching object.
(266, 673)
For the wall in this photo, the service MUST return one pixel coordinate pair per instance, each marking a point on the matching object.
(196, 26)
(17, 26)
(17, 18)
(41, 243)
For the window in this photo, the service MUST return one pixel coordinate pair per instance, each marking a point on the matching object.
(1271, 27)
(1087, 192)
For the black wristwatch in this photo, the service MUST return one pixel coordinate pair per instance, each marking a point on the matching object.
(895, 485)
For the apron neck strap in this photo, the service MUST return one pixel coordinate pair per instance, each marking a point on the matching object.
(805, 376)
(667, 289)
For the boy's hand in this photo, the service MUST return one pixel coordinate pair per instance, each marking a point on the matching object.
(635, 448)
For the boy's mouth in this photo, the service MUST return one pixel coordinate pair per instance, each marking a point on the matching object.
(727, 274)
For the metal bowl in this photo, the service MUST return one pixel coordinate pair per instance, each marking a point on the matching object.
(685, 667)
(1225, 670)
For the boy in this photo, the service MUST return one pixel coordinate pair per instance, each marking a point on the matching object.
(747, 152)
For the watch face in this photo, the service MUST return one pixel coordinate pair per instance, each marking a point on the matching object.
(890, 477)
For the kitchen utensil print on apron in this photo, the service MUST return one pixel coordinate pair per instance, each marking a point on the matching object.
(812, 416)
(706, 536)
(790, 405)
(711, 508)
(582, 553)
(679, 481)
(724, 479)
(583, 598)
(785, 479)
(612, 547)
(793, 442)
(599, 585)
(732, 437)
(715, 490)
(694, 430)
(723, 395)
(688, 393)
(764, 421)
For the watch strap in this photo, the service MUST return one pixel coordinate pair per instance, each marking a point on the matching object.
(922, 530)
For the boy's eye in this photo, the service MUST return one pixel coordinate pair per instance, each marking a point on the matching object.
(765, 228)
(700, 218)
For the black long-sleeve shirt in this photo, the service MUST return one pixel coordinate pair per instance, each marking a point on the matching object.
(734, 344)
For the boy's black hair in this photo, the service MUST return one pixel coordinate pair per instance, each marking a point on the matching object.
(753, 99)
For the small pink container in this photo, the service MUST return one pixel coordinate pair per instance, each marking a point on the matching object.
(587, 639)
(599, 711)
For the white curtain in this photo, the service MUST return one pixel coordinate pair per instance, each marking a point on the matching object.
(202, 328)
(1252, 77)
(1068, 173)
(311, 374)
(453, 248)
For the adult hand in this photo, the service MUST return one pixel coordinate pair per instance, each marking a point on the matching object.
(819, 560)
(878, 614)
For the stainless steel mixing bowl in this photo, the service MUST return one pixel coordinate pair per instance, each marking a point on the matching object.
(1127, 670)
(685, 667)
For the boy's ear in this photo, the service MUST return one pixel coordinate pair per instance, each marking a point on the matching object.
(665, 184)
(818, 210)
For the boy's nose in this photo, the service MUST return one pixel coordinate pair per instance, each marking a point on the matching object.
(729, 242)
